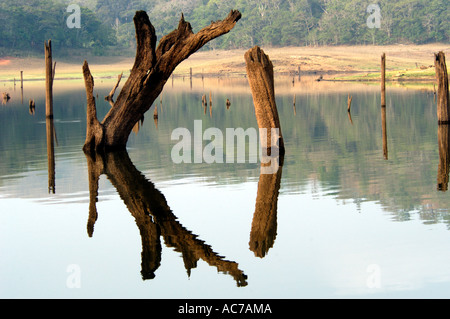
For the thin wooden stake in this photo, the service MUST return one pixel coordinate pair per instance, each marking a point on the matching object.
(48, 80)
(383, 79)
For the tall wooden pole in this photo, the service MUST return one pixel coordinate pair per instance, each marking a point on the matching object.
(443, 112)
(383, 80)
(48, 80)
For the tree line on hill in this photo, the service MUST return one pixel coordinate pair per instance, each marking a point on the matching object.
(107, 25)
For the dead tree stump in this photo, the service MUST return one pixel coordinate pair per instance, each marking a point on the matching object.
(443, 112)
(152, 68)
(260, 77)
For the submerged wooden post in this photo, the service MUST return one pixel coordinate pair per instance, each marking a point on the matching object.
(260, 77)
(443, 112)
(383, 80)
(349, 102)
(48, 80)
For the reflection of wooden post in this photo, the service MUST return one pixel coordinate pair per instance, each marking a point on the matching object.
(48, 80)
(32, 107)
(295, 100)
(21, 86)
(260, 77)
(264, 223)
(155, 112)
(50, 130)
(383, 79)
(444, 158)
(443, 112)
(384, 132)
(110, 96)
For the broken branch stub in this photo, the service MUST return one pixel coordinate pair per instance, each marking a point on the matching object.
(260, 77)
(151, 69)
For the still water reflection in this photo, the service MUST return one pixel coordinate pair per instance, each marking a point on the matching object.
(359, 207)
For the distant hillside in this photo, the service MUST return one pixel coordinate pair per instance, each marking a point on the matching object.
(107, 25)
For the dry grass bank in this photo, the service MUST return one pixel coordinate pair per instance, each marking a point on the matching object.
(328, 61)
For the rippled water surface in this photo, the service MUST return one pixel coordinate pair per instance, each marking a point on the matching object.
(349, 214)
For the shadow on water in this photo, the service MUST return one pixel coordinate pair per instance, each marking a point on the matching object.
(153, 217)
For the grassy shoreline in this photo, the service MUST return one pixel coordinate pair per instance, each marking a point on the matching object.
(336, 63)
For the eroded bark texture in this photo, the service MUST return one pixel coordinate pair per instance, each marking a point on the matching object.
(151, 69)
(260, 78)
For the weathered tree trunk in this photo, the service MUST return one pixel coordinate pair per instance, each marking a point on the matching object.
(443, 111)
(151, 69)
(260, 77)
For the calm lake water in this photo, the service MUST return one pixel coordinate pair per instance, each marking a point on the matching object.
(350, 214)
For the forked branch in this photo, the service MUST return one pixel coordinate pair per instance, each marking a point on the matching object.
(151, 70)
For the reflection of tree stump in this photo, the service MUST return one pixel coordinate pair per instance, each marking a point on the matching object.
(260, 77)
(443, 111)
(444, 157)
(153, 217)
